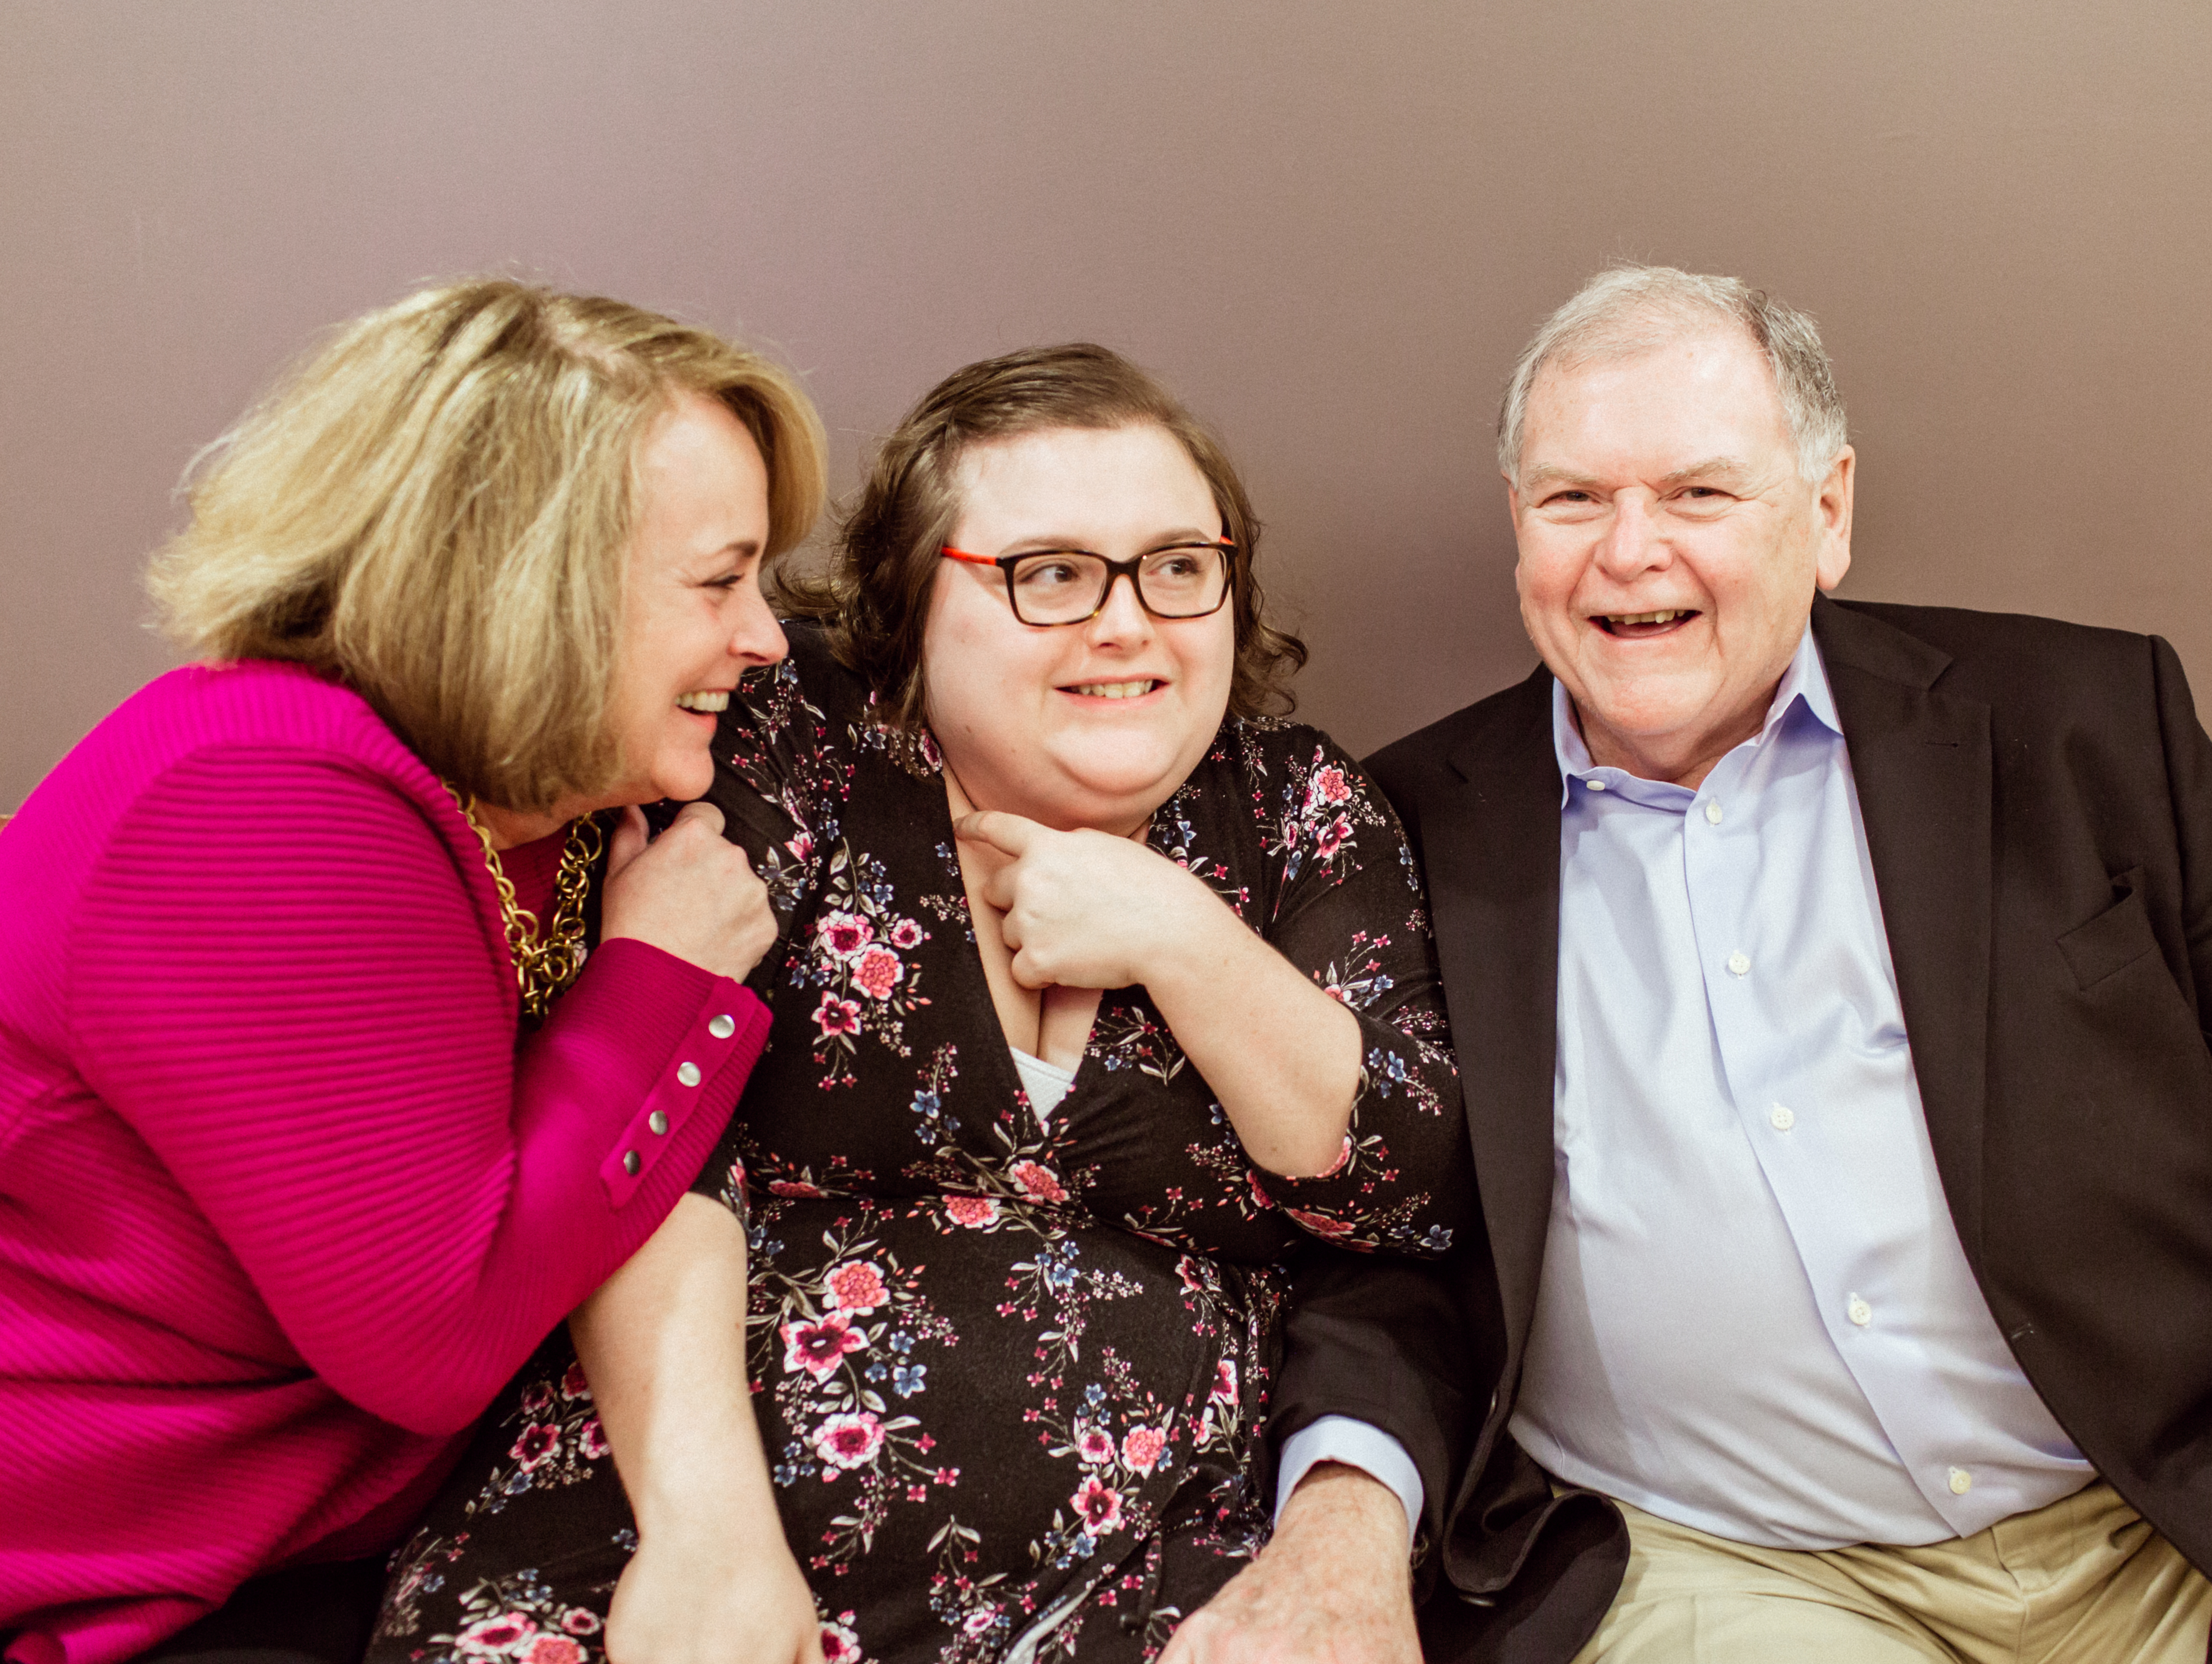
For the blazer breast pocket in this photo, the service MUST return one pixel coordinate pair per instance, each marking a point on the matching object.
(2115, 938)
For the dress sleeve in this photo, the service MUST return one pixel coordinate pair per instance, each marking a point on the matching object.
(279, 977)
(773, 767)
(1348, 910)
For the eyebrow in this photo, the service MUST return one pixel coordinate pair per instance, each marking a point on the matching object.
(1060, 546)
(1726, 467)
(1546, 474)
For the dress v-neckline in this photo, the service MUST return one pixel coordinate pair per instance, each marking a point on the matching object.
(1012, 1053)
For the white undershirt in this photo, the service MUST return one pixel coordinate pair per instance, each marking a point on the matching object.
(1047, 1083)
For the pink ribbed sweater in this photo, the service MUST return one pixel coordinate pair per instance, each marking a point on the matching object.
(281, 1203)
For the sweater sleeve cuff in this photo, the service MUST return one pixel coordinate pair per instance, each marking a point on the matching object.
(689, 1036)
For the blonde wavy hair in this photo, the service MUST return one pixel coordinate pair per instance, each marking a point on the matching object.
(435, 508)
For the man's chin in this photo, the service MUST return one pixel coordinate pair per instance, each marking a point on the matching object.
(1650, 705)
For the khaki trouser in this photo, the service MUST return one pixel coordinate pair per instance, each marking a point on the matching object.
(2084, 1580)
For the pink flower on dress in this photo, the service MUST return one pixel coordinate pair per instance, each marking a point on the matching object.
(1319, 1224)
(856, 1288)
(1093, 1445)
(849, 1441)
(490, 1636)
(1331, 785)
(906, 934)
(592, 1439)
(837, 1016)
(844, 934)
(538, 1398)
(1225, 1382)
(1141, 1447)
(573, 1384)
(580, 1621)
(1037, 1182)
(791, 1187)
(539, 1441)
(550, 1649)
(974, 1211)
(1099, 1505)
(1333, 835)
(819, 1348)
(839, 1644)
(978, 1621)
(1258, 1195)
(802, 846)
(876, 973)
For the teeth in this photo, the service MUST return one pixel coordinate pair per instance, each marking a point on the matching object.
(1115, 689)
(1644, 617)
(708, 703)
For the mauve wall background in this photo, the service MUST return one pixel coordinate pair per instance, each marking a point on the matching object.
(1329, 226)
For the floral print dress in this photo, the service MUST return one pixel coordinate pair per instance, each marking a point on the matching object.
(1010, 1369)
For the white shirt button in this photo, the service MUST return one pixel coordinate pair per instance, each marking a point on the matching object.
(1595, 785)
(723, 1026)
(630, 1162)
(1962, 1482)
(1783, 1117)
(688, 1073)
(658, 1120)
(1739, 963)
(1713, 813)
(1859, 1312)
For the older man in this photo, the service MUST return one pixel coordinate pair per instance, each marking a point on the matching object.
(1829, 982)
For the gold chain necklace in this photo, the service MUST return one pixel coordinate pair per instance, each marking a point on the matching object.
(544, 965)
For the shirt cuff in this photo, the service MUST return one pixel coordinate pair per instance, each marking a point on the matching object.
(1356, 1444)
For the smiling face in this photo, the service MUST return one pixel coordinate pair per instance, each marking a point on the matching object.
(1669, 548)
(1074, 725)
(694, 620)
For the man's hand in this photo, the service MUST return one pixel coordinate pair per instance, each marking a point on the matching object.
(1332, 1587)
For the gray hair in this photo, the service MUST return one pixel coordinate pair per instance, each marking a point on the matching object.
(1630, 308)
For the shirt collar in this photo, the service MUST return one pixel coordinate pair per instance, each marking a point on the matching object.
(1805, 681)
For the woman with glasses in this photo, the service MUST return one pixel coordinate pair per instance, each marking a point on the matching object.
(1099, 991)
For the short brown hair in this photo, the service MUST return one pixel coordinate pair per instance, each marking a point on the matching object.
(435, 507)
(876, 595)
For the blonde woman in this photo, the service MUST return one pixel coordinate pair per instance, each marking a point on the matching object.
(285, 1199)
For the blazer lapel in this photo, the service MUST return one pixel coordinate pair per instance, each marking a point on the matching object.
(1491, 842)
(1921, 763)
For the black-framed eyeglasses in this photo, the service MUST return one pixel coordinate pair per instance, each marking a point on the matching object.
(1048, 587)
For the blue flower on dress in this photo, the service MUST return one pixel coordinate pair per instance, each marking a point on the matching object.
(1386, 1070)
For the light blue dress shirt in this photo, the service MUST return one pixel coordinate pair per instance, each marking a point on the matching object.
(1754, 1316)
